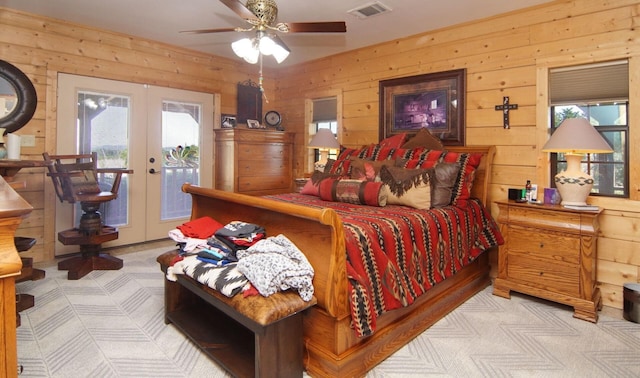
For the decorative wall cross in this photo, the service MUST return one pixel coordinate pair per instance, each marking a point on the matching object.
(505, 107)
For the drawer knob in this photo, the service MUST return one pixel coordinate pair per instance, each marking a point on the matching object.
(541, 245)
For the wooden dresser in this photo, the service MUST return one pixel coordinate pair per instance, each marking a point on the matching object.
(255, 162)
(13, 209)
(549, 252)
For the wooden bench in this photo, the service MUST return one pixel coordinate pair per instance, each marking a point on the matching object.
(253, 336)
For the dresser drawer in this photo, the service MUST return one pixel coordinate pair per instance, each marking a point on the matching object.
(264, 167)
(545, 245)
(541, 273)
(251, 151)
(263, 183)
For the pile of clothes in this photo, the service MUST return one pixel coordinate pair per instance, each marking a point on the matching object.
(238, 257)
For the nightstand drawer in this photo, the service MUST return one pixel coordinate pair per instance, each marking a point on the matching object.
(543, 274)
(538, 217)
(542, 244)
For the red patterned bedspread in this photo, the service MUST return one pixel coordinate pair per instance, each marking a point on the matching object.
(396, 253)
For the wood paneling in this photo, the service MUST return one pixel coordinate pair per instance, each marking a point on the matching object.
(43, 47)
(503, 56)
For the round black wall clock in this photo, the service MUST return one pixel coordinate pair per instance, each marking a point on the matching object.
(272, 118)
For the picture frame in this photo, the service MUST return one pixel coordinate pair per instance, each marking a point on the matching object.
(228, 121)
(435, 101)
(249, 101)
(254, 124)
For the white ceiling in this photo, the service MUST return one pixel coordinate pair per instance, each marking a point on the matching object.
(162, 20)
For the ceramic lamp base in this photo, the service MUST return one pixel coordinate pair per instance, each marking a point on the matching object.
(324, 157)
(573, 184)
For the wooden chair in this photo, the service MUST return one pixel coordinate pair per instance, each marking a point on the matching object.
(75, 180)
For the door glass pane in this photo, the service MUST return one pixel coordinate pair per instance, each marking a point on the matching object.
(103, 127)
(181, 156)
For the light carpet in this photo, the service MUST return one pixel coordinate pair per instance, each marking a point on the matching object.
(111, 324)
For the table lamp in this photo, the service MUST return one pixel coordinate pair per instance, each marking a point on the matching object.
(575, 137)
(324, 140)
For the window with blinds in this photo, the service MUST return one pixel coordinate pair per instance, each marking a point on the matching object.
(325, 114)
(600, 93)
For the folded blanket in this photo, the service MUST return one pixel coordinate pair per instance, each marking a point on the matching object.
(274, 264)
(200, 228)
(226, 279)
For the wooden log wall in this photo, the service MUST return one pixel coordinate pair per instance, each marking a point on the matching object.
(508, 55)
(43, 47)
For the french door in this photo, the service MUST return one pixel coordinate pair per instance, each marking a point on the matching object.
(165, 135)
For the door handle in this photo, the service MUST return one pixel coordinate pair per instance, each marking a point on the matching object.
(153, 171)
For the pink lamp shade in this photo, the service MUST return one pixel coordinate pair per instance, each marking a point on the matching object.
(575, 137)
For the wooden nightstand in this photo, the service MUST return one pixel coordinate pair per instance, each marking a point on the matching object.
(299, 183)
(549, 252)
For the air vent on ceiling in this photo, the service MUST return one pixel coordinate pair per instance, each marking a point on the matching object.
(370, 10)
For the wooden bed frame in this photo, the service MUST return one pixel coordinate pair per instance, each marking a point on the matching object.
(331, 346)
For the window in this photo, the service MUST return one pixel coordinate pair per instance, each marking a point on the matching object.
(325, 113)
(599, 93)
(610, 171)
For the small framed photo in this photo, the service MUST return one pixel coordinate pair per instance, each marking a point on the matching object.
(228, 121)
(254, 124)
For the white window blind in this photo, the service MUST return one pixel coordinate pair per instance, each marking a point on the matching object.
(590, 83)
(325, 109)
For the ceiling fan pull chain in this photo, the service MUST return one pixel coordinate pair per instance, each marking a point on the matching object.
(260, 80)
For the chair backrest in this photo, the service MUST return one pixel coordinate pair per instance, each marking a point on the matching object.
(74, 176)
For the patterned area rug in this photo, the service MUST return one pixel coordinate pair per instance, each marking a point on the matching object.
(111, 324)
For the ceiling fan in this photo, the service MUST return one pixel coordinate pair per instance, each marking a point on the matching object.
(261, 16)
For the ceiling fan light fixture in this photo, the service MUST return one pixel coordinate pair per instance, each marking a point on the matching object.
(280, 52)
(267, 46)
(252, 56)
(250, 49)
(246, 49)
(240, 47)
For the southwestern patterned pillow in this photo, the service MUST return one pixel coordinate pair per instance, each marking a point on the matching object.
(353, 191)
(408, 187)
(312, 187)
(468, 163)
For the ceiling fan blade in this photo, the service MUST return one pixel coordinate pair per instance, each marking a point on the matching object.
(239, 9)
(279, 41)
(317, 27)
(206, 31)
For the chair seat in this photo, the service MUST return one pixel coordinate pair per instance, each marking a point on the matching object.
(96, 197)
